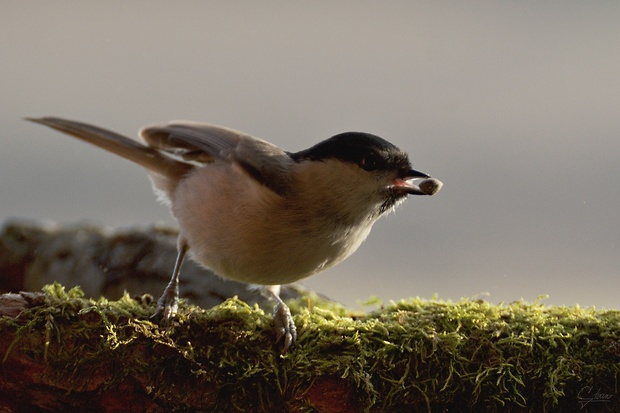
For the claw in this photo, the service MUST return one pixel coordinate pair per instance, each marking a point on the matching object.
(282, 320)
(284, 325)
(167, 305)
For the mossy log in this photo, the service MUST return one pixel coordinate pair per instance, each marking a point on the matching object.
(63, 352)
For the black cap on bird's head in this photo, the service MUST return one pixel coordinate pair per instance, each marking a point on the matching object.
(369, 152)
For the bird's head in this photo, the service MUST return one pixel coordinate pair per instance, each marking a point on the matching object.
(362, 173)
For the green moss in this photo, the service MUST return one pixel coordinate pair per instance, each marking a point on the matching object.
(412, 355)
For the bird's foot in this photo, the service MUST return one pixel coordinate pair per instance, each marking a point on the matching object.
(167, 305)
(284, 325)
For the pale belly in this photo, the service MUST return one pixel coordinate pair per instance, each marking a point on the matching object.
(241, 231)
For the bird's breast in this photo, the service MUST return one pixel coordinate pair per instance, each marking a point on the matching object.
(243, 231)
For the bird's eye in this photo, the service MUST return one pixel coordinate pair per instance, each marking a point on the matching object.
(369, 163)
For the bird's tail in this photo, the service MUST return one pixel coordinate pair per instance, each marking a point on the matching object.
(149, 158)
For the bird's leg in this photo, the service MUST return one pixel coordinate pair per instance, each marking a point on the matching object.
(168, 303)
(282, 320)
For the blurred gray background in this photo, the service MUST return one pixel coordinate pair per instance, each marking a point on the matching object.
(515, 106)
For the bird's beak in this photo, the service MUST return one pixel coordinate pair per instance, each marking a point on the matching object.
(416, 174)
(418, 183)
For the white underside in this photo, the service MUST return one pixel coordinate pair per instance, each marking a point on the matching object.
(243, 231)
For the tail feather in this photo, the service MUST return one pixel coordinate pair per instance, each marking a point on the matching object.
(154, 161)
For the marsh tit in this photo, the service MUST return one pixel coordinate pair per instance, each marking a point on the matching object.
(253, 212)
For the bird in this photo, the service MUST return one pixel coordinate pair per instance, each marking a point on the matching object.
(250, 211)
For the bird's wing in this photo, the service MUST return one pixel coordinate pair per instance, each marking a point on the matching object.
(205, 143)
